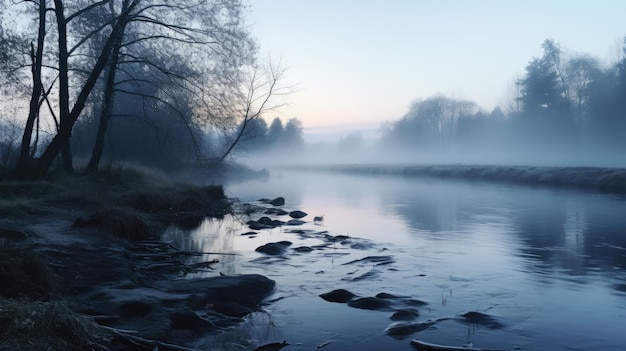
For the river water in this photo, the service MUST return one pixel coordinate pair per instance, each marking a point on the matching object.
(548, 265)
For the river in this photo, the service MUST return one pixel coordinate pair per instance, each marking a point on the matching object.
(546, 265)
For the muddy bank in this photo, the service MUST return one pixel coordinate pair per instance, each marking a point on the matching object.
(86, 269)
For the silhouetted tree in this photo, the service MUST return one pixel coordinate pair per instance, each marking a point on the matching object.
(254, 138)
(92, 36)
(440, 115)
(262, 87)
(352, 142)
(293, 135)
(275, 132)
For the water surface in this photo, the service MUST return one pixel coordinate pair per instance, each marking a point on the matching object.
(548, 264)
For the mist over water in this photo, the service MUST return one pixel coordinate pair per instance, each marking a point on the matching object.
(547, 264)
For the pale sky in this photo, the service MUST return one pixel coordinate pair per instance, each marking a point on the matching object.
(358, 63)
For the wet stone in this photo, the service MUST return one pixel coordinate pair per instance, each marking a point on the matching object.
(402, 330)
(474, 317)
(277, 248)
(406, 314)
(295, 222)
(415, 302)
(279, 201)
(384, 295)
(297, 214)
(369, 303)
(276, 212)
(254, 225)
(265, 220)
(338, 295)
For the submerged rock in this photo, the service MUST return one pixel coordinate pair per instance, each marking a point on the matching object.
(415, 302)
(254, 225)
(474, 317)
(376, 260)
(275, 346)
(277, 248)
(405, 314)
(279, 201)
(273, 223)
(295, 222)
(338, 295)
(384, 295)
(276, 212)
(402, 330)
(198, 305)
(369, 303)
(303, 249)
(297, 214)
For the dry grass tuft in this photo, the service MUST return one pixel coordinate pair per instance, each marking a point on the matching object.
(24, 274)
(53, 325)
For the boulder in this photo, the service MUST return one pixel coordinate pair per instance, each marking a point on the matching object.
(369, 303)
(479, 318)
(277, 248)
(254, 225)
(276, 211)
(295, 222)
(279, 201)
(405, 314)
(338, 295)
(297, 214)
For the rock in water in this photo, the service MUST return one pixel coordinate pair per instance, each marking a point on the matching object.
(369, 303)
(278, 248)
(426, 346)
(479, 318)
(275, 346)
(338, 295)
(279, 201)
(406, 314)
(295, 222)
(297, 214)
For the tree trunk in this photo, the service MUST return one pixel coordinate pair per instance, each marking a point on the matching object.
(235, 142)
(107, 108)
(65, 131)
(24, 160)
(64, 94)
(66, 157)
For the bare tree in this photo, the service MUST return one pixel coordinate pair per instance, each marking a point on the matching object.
(202, 45)
(196, 48)
(261, 91)
(581, 72)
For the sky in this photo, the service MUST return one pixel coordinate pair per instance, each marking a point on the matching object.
(358, 63)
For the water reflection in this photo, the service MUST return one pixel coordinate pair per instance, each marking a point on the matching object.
(551, 264)
(212, 236)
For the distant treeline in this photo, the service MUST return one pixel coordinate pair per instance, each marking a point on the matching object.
(565, 101)
(258, 137)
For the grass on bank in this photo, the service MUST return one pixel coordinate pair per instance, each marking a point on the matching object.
(129, 202)
(47, 325)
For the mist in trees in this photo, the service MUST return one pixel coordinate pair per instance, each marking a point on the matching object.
(172, 85)
(569, 109)
(259, 139)
(150, 81)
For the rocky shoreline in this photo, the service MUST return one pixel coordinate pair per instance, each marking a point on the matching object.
(120, 288)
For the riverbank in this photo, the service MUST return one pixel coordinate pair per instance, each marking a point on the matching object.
(85, 268)
(600, 179)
